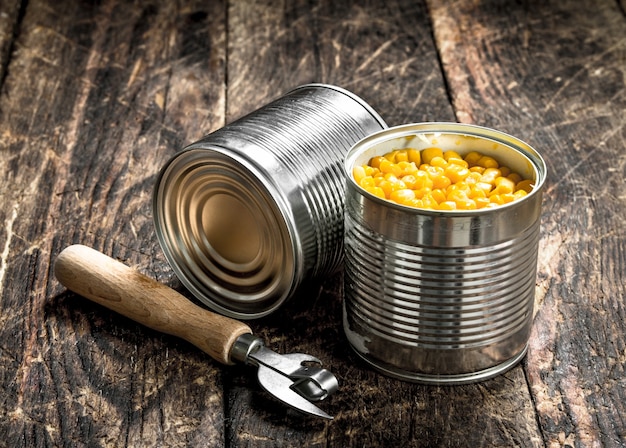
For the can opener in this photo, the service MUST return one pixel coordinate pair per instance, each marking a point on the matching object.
(296, 379)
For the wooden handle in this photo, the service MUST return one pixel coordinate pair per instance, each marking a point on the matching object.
(118, 287)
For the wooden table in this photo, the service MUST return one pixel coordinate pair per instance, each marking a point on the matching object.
(97, 96)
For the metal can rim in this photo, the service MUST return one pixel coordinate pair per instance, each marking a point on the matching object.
(208, 293)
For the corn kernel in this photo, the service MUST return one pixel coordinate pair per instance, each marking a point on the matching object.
(402, 156)
(370, 171)
(391, 156)
(496, 199)
(519, 194)
(488, 162)
(463, 187)
(407, 167)
(429, 203)
(438, 161)
(429, 153)
(505, 170)
(472, 158)
(422, 179)
(389, 167)
(515, 177)
(410, 181)
(490, 175)
(504, 185)
(447, 205)
(423, 192)
(451, 155)
(375, 161)
(367, 182)
(472, 178)
(385, 166)
(432, 171)
(358, 172)
(402, 196)
(507, 197)
(484, 186)
(376, 191)
(459, 162)
(465, 204)
(456, 173)
(476, 193)
(441, 182)
(457, 196)
(526, 185)
(414, 156)
(438, 195)
(388, 187)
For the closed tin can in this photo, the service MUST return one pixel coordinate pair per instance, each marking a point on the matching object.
(441, 297)
(250, 211)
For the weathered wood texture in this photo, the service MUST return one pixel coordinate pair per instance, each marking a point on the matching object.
(95, 97)
(554, 73)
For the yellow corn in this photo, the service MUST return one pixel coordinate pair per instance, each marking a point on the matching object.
(503, 185)
(402, 156)
(402, 196)
(358, 172)
(367, 182)
(438, 180)
(375, 161)
(456, 173)
(414, 156)
(391, 156)
(488, 162)
(526, 185)
(515, 177)
(472, 158)
(451, 155)
(438, 195)
(429, 153)
(490, 175)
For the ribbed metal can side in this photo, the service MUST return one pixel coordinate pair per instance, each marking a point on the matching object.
(440, 298)
(298, 144)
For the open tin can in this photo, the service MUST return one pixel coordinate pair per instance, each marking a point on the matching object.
(250, 211)
(441, 297)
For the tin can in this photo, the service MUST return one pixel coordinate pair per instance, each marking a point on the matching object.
(250, 211)
(442, 297)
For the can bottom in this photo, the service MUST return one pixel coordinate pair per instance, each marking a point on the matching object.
(441, 379)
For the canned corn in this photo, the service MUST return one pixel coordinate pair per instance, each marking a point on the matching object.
(437, 296)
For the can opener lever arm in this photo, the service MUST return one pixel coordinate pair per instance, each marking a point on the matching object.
(296, 379)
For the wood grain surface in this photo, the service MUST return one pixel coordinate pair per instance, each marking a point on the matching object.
(95, 97)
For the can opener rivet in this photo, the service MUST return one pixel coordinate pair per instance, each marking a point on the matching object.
(295, 379)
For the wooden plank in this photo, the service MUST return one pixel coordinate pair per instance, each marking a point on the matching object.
(384, 52)
(95, 100)
(553, 74)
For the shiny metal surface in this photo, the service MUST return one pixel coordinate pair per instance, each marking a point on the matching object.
(441, 297)
(296, 379)
(251, 210)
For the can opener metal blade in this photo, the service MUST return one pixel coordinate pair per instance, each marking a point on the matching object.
(296, 379)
